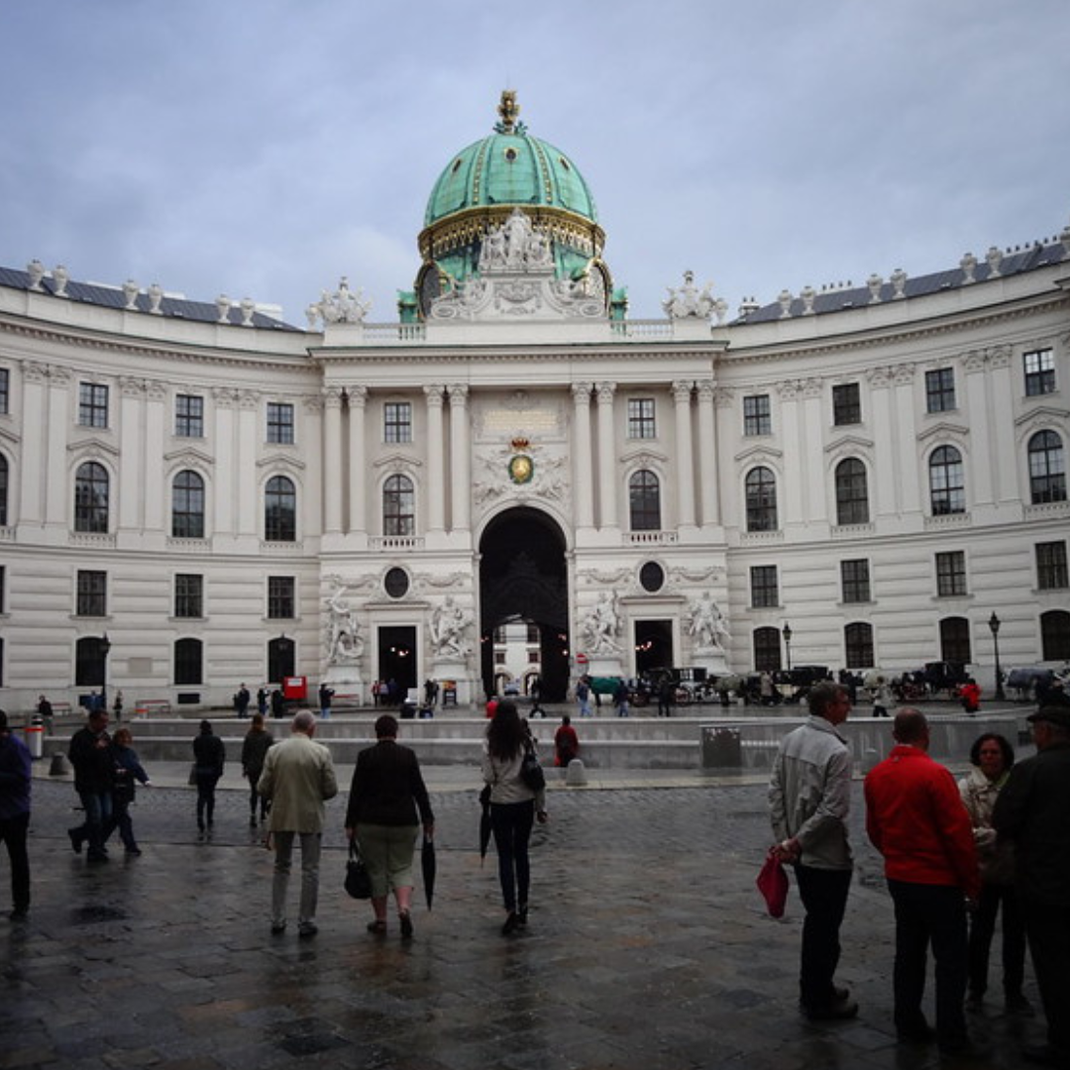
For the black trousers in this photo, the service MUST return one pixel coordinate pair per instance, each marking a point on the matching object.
(983, 928)
(13, 834)
(1048, 929)
(824, 897)
(512, 824)
(930, 914)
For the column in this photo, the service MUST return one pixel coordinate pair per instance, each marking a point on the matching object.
(583, 491)
(708, 483)
(816, 501)
(35, 475)
(685, 461)
(332, 460)
(358, 399)
(884, 485)
(131, 391)
(461, 454)
(607, 457)
(436, 456)
(791, 481)
(225, 401)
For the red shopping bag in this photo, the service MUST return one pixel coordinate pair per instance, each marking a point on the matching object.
(773, 884)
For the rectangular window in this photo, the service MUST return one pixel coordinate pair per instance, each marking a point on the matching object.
(92, 594)
(1039, 372)
(92, 405)
(281, 597)
(280, 422)
(940, 390)
(189, 595)
(855, 579)
(846, 404)
(756, 415)
(951, 573)
(3, 587)
(189, 416)
(763, 586)
(397, 421)
(1051, 566)
(641, 418)
(5, 390)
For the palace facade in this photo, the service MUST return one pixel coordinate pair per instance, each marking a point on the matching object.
(197, 494)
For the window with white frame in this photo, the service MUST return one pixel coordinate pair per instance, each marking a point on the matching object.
(854, 580)
(951, 573)
(1039, 368)
(940, 390)
(397, 421)
(189, 416)
(280, 422)
(92, 405)
(1051, 566)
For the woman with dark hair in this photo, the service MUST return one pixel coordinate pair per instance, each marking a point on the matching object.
(254, 749)
(386, 792)
(513, 809)
(992, 757)
(209, 756)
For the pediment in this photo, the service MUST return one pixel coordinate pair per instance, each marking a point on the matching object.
(397, 460)
(758, 454)
(187, 457)
(944, 429)
(850, 442)
(281, 461)
(90, 448)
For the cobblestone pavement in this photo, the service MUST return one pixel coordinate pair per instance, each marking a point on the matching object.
(647, 949)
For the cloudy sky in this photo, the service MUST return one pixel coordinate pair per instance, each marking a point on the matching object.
(263, 148)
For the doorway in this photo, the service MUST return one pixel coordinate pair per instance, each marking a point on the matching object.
(397, 656)
(653, 646)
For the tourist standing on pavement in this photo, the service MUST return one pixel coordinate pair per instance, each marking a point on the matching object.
(809, 802)
(386, 792)
(583, 695)
(1033, 811)
(325, 695)
(298, 778)
(15, 774)
(262, 701)
(128, 771)
(94, 773)
(566, 743)
(241, 701)
(915, 818)
(209, 757)
(992, 757)
(513, 809)
(254, 749)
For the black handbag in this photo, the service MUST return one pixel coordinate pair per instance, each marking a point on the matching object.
(531, 772)
(358, 880)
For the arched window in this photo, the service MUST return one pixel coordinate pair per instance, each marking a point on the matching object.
(280, 659)
(187, 506)
(761, 500)
(1055, 635)
(852, 494)
(280, 510)
(955, 640)
(947, 487)
(766, 649)
(858, 645)
(3, 491)
(644, 495)
(1047, 468)
(91, 498)
(89, 658)
(399, 510)
(189, 661)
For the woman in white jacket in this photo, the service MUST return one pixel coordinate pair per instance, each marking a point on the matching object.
(514, 807)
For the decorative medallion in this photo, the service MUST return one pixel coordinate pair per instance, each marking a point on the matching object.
(521, 468)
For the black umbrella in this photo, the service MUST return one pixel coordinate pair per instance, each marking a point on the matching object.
(427, 861)
(484, 823)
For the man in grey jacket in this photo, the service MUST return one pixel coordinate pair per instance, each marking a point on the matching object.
(298, 778)
(809, 800)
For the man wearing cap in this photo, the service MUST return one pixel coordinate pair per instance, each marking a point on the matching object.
(15, 765)
(1033, 810)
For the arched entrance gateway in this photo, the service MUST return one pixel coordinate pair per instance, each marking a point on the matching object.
(523, 580)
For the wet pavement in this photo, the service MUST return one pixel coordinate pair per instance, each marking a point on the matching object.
(647, 947)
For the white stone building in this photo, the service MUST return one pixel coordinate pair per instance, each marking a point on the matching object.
(227, 498)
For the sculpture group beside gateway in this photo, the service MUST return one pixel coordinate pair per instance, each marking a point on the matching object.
(195, 494)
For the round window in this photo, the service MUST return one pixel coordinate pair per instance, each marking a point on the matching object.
(652, 577)
(396, 583)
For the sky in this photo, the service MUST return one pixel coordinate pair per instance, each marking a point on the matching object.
(265, 148)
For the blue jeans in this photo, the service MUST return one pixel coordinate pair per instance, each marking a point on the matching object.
(97, 807)
(512, 823)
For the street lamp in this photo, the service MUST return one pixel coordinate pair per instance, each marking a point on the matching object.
(786, 632)
(993, 626)
(105, 648)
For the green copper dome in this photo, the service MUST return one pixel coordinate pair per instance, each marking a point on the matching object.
(480, 188)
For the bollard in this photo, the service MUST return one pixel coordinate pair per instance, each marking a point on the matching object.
(60, 765)
(576, 774)
(35, 738)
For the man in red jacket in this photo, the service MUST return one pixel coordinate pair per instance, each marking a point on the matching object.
(915, 818)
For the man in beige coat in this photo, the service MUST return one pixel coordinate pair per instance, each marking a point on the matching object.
(298, 778)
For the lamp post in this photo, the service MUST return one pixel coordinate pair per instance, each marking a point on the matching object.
(786, 632)
(105, 648)
(993, 626)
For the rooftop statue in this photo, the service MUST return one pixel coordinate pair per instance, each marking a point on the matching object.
(688, 300)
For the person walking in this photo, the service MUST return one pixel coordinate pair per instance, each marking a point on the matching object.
(209, 758)
(277, 704)
(262, 701)
(583, 695)
(15, 776)
(809, 806)
(241, 701)
(514, 806)
(620, 698)
(915, 818)
(297, 780)
(1032, 812)
(94, 773)
(992, 757)
(254, 749)
(128, 771)
(386, 792)
(666, 695)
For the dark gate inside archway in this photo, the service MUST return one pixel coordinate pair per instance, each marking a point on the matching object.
(523, 576)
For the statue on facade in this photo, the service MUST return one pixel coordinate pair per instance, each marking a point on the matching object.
(707, 625)
(345, 643)
(449, 623)
(343, 306)
(602, 626)
(688, 300)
